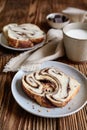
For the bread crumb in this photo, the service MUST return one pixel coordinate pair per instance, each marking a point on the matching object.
(69, 108)
(48, 110)
(33, 106)
(39, 110)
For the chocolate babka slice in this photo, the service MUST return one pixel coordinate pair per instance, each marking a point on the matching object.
(24, 35)
(50, 87)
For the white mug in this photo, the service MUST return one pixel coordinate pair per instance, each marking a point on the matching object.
(84, 20)
(75, 46)
(75, 14)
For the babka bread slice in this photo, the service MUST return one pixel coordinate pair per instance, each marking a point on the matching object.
(50, 87)
(24, 35)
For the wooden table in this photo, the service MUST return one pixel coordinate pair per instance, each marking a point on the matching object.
(12, 116)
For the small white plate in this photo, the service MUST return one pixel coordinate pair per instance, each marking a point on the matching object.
(72, 107)
(4, 43)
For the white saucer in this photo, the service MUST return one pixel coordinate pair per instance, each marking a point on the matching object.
(4, 43)
(77, 103)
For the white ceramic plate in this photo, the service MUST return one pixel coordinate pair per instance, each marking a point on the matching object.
(4, 43)
(72, 107)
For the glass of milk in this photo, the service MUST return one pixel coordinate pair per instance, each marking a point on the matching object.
(75, 41)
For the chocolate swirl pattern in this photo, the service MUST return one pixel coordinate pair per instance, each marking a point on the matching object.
(24, 35)
(50, 87)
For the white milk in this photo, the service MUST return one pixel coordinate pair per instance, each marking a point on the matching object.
(77, 33)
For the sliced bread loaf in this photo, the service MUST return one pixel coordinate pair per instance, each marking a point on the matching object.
(24, 35)
(50, 87)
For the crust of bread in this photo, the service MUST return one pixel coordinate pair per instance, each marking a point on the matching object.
(41, 100)
(24, 44)
(19, 44)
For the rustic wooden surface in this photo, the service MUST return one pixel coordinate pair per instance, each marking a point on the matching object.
(12, 116)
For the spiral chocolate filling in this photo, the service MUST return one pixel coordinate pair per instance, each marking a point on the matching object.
(31, 82)
(50, 84)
